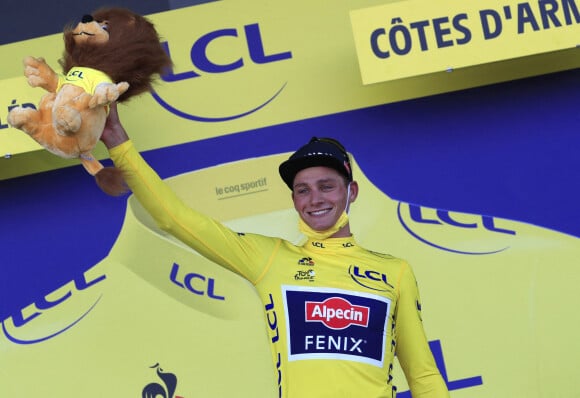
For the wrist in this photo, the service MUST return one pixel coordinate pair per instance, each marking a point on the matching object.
(117, 138)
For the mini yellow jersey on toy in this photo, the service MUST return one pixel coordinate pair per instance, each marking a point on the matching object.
(86, 78)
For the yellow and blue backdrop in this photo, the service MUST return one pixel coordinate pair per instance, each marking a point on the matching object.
(468, 169)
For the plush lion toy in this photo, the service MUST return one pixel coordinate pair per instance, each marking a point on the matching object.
(111, 55)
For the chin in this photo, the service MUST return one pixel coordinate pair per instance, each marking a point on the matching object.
(321, 227)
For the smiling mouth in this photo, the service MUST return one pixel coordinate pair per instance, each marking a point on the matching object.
(83, 33)
(316, 213)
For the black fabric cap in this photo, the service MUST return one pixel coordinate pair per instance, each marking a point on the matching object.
(318, 152)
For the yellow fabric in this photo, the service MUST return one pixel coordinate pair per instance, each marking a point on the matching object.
(335, 312)
(320, 235)
(86, 78)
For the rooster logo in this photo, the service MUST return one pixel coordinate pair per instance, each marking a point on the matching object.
(154, 390)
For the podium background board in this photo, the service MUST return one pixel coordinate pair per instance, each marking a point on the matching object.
(471, 176)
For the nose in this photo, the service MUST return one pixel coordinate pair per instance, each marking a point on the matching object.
(316, 197)
(87, 18)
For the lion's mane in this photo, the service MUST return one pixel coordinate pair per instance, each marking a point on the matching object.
(133, 53)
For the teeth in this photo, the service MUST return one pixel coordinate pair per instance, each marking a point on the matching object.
(319, 212)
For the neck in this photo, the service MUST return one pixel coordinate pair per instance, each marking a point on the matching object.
(339, 229)
(344, 232)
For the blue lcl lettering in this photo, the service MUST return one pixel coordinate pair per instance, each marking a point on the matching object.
(201, 60)
(43, 304)
(444, 217)
(207, 284)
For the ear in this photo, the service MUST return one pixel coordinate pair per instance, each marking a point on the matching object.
(353, 191)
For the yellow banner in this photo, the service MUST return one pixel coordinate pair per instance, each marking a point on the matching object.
(417, 37)
(247, 65)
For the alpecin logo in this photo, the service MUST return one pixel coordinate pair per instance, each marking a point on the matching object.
(153, 390)
(337, 313)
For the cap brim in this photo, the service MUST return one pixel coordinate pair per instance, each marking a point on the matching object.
(291, 167)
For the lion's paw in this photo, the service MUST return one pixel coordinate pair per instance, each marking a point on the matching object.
(39, 74)
(122, 87)
(105, 93)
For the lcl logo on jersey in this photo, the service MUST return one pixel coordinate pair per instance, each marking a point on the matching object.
(370, 279)
(337, 313)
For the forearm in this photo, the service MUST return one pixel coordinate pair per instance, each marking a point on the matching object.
(157, 198)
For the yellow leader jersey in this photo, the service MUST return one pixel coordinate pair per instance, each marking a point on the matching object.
(335, 313)
(86, 78)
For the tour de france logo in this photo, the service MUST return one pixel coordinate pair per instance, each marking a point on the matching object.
(156, 390)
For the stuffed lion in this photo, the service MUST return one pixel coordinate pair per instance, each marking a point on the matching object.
(112, 55)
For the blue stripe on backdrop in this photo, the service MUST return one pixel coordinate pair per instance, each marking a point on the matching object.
(507, 150)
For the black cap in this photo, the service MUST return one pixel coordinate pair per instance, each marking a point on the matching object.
(326, 152)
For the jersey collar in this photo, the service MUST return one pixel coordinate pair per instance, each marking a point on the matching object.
(331, 243)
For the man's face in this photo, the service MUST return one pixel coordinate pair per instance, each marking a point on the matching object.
(320, 195)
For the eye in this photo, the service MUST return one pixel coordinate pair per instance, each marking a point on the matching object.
(104, 25)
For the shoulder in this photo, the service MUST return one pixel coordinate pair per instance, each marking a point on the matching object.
(265, 242)
(397, 267)
(387, 257)
(382, 255)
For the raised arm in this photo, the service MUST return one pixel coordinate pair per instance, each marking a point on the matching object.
(246, 255)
